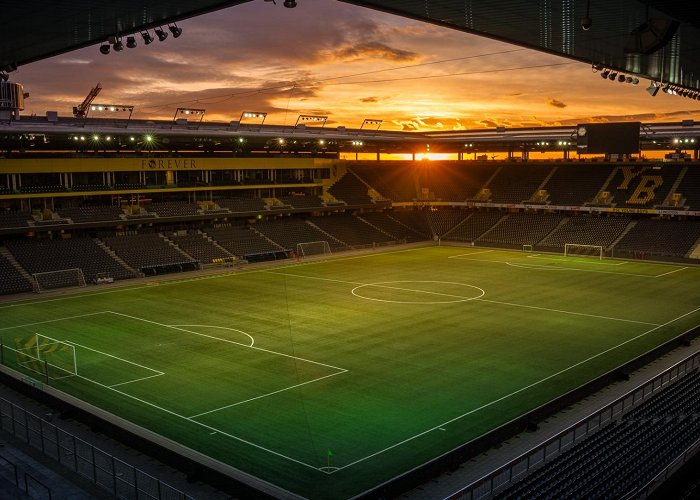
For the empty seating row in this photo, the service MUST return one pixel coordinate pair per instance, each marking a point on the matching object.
(661, 238)
(444, 220)
(91, 214)
(391, 226)
(576, 185)
(198, 246)
(243, 241)
(393, 180)
(288, 233)
(351, 230)
(150, 250)
(173, 209)
(11, 280)
(14, 219)
(302, 201)
(517, 183)
(521, 229)
(242, 204)
(472, 226)
(415, 219)
(350, 189)
(41, 256)
(586, 230)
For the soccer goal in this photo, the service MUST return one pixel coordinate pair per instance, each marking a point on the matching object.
(52, 358)
(527, 248)
(58, 279)
(574, 249)
(313, 248)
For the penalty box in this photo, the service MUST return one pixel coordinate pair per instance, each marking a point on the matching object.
(190, 371)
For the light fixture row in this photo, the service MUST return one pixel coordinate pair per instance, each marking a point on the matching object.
(117, 43)
(612, 75)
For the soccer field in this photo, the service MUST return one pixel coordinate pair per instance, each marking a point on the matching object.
(327, 378)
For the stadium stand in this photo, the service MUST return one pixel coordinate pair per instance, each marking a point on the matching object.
(91, 214)
(302, 201)
(242, 204)
(473, 225)
(388, 225)
(451, 182)
(52, 188)
(15, 219)
(288, 233)
(199, 247)
(173, 209)
(643, 186)
(690, 188)
(72, 253)
(521, 229)
(624, 454)
(149, 253)
(351, 230)
(393, 181)
(659, 238)
(443, 220)
(576, 185)
(415, 219)
(350, 189)
(11, 280)
(245, 243)
(517, 183)
(586, 230)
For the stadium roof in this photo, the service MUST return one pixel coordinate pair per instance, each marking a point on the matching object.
(36, 29)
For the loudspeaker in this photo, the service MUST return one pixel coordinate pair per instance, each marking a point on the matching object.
(651, 36)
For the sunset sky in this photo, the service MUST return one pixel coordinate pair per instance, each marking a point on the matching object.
(350, 63)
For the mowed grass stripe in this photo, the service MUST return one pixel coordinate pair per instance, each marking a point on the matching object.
(474, 365)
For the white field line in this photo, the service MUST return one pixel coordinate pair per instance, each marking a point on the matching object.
(266, 395)
(252, 340)
(209, 427)
(443, 424)
(590, 260)
(114, 357)
(670, 272)
(560, 311)
(568, 312)
(226, 340)
(470, 253)
(53, 320)
(25, 302)
(136, 380)
(538, 267)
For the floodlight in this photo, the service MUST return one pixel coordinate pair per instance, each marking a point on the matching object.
(105, 48)
(175, 30)
(131, 41)
(162, 35)
(613, 75)
(118, 45)
(621, 78)
(605, 73)
(290, 4)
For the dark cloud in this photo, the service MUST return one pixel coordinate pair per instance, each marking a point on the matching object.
(374, 50)
(488, 123)
(370, 99)
(556, 103)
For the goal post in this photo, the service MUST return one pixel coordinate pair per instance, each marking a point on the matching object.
(575, 249)
(527, 248)
(310, 248)
(52, 358)
(58, 279)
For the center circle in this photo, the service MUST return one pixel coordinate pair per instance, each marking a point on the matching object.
(423, 295)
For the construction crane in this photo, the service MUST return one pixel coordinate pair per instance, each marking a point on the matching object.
(82, 110)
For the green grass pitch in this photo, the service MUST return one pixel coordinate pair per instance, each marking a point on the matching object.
(386, 359)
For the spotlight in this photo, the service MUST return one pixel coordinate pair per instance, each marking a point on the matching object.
(597, 67)
(667, 89)
(105, 48)
(612, 76)
(118, 45)
(147, 38)
(175, 30)
(605, 73)
(131, 42)
(290, 4)
(162, 35)
(635, 81)
(621, 78)
(4, 76)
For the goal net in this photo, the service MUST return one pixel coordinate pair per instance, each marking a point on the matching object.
(527, 248)
(52, 358)
(58, 279)
(313, 248)
(574, 249)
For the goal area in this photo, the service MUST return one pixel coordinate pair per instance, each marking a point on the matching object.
(45, 356)
(575, 249)
(62, 278)
(310, 248)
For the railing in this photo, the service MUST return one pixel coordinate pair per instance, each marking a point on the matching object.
(540, 454)
(32, 486)
(101, 468)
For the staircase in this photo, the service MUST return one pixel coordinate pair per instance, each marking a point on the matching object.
(328, 234)
(622, 234)
(377, 228)
(674, 188)
(456, 226)
(11, 259)
(695, 251)
(268, 239)
(113, 254)
(174, 245)
(214, 242)
(606, 184)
